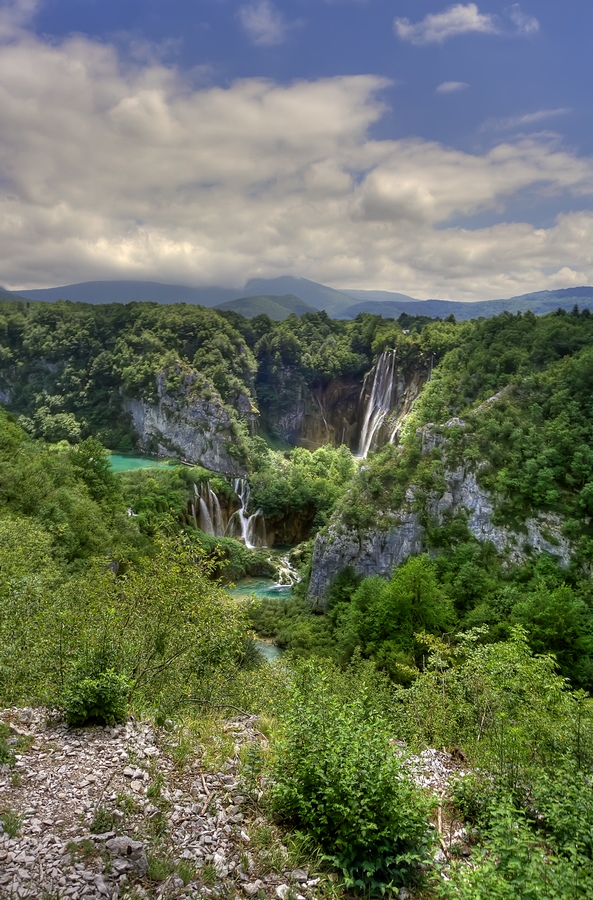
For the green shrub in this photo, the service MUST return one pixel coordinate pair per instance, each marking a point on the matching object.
(335, 776)
(97, 700)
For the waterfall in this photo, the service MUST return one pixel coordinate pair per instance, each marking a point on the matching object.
(380, 402)
(287, 574)
(206, 510)
(252, 527)
(216, 514)
(204, 518)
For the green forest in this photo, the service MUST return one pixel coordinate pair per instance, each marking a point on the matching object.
(114, 601)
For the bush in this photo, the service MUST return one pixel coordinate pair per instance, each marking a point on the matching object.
(336, 777)
(97, 700)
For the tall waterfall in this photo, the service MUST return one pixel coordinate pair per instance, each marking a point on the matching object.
(252, 527)
(380, 402)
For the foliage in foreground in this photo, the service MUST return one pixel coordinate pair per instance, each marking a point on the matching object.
(540, 848)
(164, 629)
(335, 776)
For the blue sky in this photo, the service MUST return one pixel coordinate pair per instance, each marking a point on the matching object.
(439, 149)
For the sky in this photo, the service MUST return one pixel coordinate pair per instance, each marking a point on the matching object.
(437, 149)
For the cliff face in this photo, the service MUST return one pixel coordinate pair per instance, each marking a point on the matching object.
(362, 414)
(325, 414)
(400, 533)
(191, 422)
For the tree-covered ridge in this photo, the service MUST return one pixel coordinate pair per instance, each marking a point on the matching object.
(516, 392)
(66, 367)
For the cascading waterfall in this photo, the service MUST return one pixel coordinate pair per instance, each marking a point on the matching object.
(206, 510)
(380, 402)
(253, 527)
(287, 574)
(209, 516)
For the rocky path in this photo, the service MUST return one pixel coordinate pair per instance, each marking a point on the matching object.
(123, 812)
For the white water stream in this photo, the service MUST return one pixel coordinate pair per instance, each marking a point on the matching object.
(380, 402)
(253, 527)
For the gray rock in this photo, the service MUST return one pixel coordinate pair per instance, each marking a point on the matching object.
(379, 550)
(132, 852)
(192, 423)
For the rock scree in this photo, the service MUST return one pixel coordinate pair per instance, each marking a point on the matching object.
(172, 832)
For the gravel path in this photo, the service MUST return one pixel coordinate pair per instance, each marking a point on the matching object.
(167, 831)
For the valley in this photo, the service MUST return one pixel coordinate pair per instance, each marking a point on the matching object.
(367, 533)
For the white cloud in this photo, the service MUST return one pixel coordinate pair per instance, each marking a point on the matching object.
(112, 171)
(435, 28)
(15, 15)
(533, 118)
(451, 87)
(264, 24)
(524, 23)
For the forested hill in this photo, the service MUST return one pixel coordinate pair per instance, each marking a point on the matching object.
(271, 294)
(71, 370)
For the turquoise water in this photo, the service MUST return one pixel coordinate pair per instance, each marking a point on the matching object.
(262, 588)
(127, 463)
(268, 650)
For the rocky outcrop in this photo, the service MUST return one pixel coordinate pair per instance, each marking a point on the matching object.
(190, 421)
(373, 552)
(400, 533)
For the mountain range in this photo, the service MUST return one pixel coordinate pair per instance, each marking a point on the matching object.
(280, 297)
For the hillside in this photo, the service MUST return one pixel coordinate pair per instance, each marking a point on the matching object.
(277, 308)
(540, 303)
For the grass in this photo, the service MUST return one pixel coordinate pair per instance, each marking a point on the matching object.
(159, 867)
(103, 821)
(6, 752)
(81, 851)
(11, 821)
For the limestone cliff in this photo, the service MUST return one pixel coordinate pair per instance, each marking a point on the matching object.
(364, 414)
(189, 420)
(402, 532)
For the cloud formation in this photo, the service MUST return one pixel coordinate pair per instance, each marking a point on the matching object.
(264, 24)
(451, 87)
(129, 171)
(524, 23)
(435, 28)
(14, 16)
(512, 123)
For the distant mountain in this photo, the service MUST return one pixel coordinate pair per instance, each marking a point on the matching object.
(380, 296)
(132, 291)
(312, 296)
(277, 308)
(316, 295)
(9, 295)
(539, 302)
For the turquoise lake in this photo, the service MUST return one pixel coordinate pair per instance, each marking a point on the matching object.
(127, 463)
